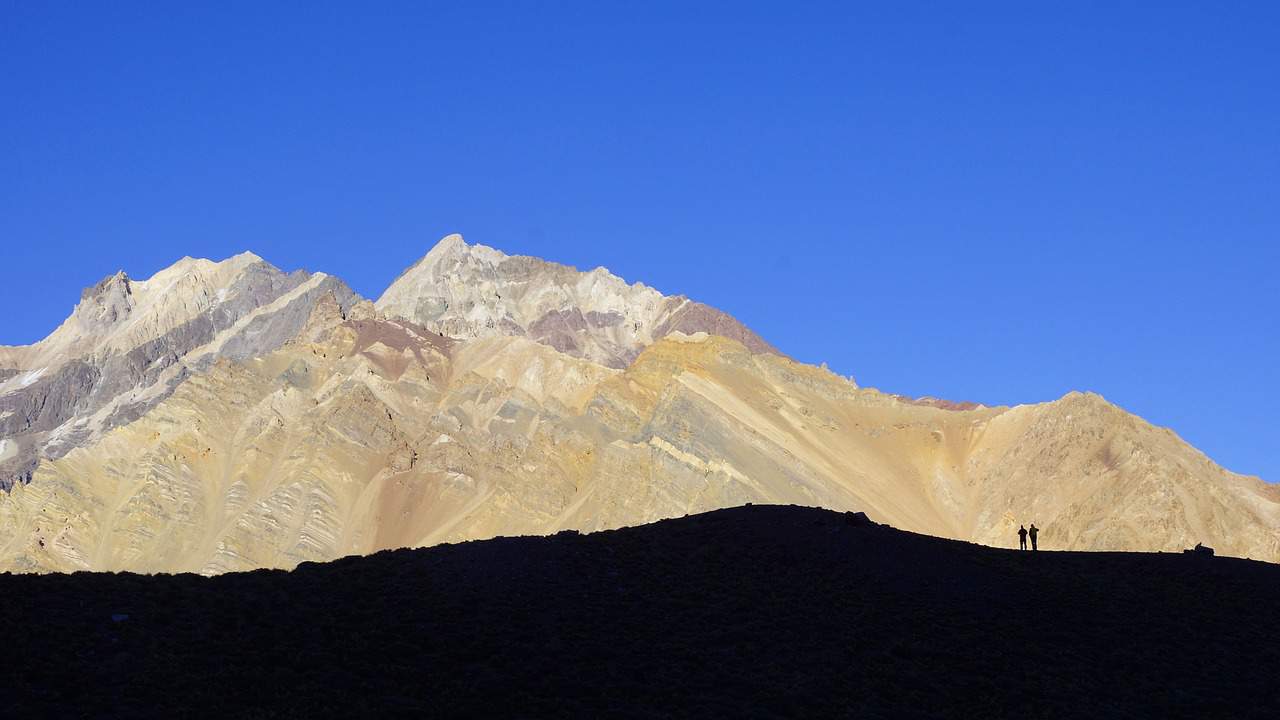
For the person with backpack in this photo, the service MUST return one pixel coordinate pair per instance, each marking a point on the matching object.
(1022, 537)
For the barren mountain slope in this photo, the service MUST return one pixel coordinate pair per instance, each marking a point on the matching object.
(128, 343)
(367, 433)
(1107, 479)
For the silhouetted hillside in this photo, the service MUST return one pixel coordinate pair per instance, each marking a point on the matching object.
(760, 611)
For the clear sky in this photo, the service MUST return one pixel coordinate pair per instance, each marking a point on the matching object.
(996, 202)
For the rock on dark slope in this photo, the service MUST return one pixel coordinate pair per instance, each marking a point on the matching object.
(757, 611)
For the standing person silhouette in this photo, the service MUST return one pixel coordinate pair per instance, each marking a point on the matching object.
(1032, 531)
(1022, 537)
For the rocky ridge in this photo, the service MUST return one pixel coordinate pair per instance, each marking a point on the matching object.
(473, 291)
(129, 343)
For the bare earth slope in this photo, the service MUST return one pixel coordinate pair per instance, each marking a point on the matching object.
(747, 612)
(130, 342)
(353, 428)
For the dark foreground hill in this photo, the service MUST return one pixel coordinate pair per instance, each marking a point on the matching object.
(756, 611)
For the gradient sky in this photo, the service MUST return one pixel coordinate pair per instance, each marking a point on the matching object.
(996, 202)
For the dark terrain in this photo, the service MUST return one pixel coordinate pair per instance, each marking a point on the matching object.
(755, 611)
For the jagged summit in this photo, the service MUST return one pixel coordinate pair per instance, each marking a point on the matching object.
(167, 299)
(105, 303)
(247, 256)
(452, 245)
(119, 278)
(473, 291)
(449, 243)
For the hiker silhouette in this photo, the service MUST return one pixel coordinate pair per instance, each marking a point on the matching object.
(1033, 531)
(1022, 537)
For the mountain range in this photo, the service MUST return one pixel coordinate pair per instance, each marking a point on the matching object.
(231, 416)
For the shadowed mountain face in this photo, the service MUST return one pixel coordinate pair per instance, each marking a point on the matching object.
(758, 612)
(313, 428)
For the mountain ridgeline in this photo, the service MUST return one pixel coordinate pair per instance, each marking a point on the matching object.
(231, 416)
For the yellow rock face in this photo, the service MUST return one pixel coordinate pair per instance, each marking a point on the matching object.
(365, 434)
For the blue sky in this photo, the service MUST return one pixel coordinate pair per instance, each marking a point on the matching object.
(997, 202)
